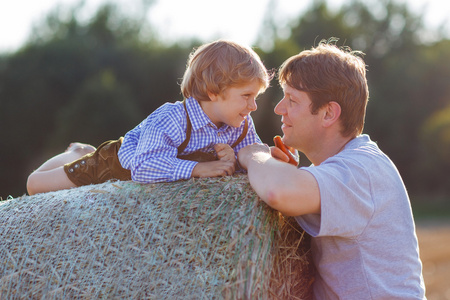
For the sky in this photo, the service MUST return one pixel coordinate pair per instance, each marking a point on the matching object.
(181, 19)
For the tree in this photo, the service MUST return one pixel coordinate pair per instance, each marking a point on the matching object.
(55, 89)
(72, 75)
(406, 84)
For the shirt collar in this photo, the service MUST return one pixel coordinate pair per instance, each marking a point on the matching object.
(198, 117)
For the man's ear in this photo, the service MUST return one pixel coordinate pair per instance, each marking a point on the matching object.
(332, 112)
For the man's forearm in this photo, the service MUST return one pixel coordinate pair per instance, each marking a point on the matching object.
(281, 185)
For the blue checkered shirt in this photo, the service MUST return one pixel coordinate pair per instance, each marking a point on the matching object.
(150, 149)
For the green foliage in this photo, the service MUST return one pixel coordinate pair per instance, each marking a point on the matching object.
(435, 138)
(101, 109)
(79, 82)
(405, 75)
(94, 80)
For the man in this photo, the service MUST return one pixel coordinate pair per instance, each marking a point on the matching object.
(351, 200)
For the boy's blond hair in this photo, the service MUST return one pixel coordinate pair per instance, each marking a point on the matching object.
(221, 64)
(329, 73)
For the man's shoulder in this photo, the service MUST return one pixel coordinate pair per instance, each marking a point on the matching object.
(356, 160)
(363, 158)
(362, 148)
(361, 141)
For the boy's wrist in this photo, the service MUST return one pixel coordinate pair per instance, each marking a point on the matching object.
(184, 169)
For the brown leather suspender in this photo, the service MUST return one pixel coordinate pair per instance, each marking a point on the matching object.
(243, 134)
(188, 131)
(188, 137)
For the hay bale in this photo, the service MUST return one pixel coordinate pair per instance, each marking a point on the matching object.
(199, 239)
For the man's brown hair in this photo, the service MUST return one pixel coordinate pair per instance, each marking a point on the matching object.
(330, 73)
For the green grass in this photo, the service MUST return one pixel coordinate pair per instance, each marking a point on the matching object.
(427, 207)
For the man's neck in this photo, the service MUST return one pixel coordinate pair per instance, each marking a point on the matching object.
(327, 148)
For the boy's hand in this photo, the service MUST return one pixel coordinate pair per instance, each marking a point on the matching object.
(226, 165)
(214, 168)
(225, 152)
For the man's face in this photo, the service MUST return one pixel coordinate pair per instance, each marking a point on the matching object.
(300, 127)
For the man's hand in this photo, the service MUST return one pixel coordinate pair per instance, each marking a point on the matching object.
(289, 152)
(278, 154)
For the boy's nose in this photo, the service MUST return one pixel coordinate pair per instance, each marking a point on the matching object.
(252, 106)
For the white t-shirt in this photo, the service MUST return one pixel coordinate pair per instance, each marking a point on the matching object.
(364, 244)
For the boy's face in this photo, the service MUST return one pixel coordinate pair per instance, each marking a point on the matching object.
(233, 104)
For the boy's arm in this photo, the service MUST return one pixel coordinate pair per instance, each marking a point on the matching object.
(282, 186)
(213, 168)
(153, 156)
(156, 161)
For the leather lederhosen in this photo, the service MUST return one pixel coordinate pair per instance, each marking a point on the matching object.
(98, 166)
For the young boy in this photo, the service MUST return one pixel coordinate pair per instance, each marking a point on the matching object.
(198, 137)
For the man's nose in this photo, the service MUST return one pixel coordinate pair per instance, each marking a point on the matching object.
(279, 108)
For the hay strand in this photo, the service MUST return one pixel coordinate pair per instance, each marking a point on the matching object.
(207, 238)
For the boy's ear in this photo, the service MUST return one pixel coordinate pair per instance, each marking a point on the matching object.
(332, 112)
(212, 96)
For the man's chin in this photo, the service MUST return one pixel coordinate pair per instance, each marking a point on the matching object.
(285, 131)
(286, 140)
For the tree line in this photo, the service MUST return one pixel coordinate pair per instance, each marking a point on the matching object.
(93, 81)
